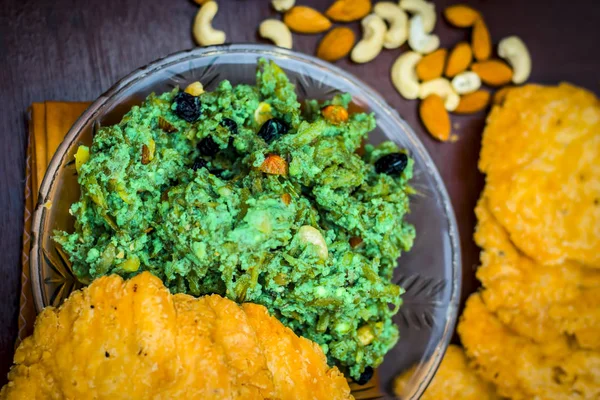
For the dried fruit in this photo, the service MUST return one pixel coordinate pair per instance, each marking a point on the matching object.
(365, 376)
(277, 32)
(203, 31)
(199, 163)
(459, 60)
(473, 102)
(443, 88)
(166, 126)
(374, 31)
(208, 146)
(418, 38)
(272, 129)
(392, 164)
(355, 241)
(466, 82)
(365, 335)
(187, 107)
(515, 52)
(461, 15)
(308, 234)
(336, 44)
(493, 72)
(348, 10)
(286, 198)
(195, 88)
(132, 264)
(397, 21)
(81, 157)
(263, 113)
(145, 155)
(274, 165)
(335, 114)
(435, 117)
(481, 41)
(431, 66)
(304, 19)
(404, 75)
(282, 5)
(230, 124)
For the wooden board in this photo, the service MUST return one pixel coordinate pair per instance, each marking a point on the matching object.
(74, 50)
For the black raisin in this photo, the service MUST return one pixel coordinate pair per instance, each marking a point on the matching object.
(187, 107)
(272, 129)
(230, 124)
(208, 146)
(365, 376)
(217, 172)
(391, 164)
(199, 163)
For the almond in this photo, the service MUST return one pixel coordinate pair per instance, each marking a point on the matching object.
(431, 66)
(304, 19)
(459, 60)
(493, 72)
(349, 10)
(481, 41)
(336, 44)
(473, 102)
(461, 15)
(435, 117)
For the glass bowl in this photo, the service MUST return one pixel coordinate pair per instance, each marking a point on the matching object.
(430, 272)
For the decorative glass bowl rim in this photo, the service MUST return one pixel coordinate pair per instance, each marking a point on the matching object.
(274, 52)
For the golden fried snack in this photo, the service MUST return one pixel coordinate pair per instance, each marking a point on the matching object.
(539, 302)
(522, 369)
(540, 153)
(454, 380)
(132, 339)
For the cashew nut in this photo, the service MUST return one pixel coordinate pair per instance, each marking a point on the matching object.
(204, 33)
(443, 88)
(195, 88)
(404, 75)
(283, 5)
(263, 113)
(466, 82)
(418, 39)
(308, 234)
(513, 50)
(423, 8)
(398, 21)
(276, 31)
(372, 42)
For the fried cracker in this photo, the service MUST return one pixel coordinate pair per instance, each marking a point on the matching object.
(540, 302)
(521, 368)
(454, 380)
(540, 153)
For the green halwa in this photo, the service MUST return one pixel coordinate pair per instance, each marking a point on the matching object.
(218, 224)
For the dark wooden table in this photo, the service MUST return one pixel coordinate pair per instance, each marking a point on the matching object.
(75, 50)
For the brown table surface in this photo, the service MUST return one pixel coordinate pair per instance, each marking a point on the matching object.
(75, 50)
